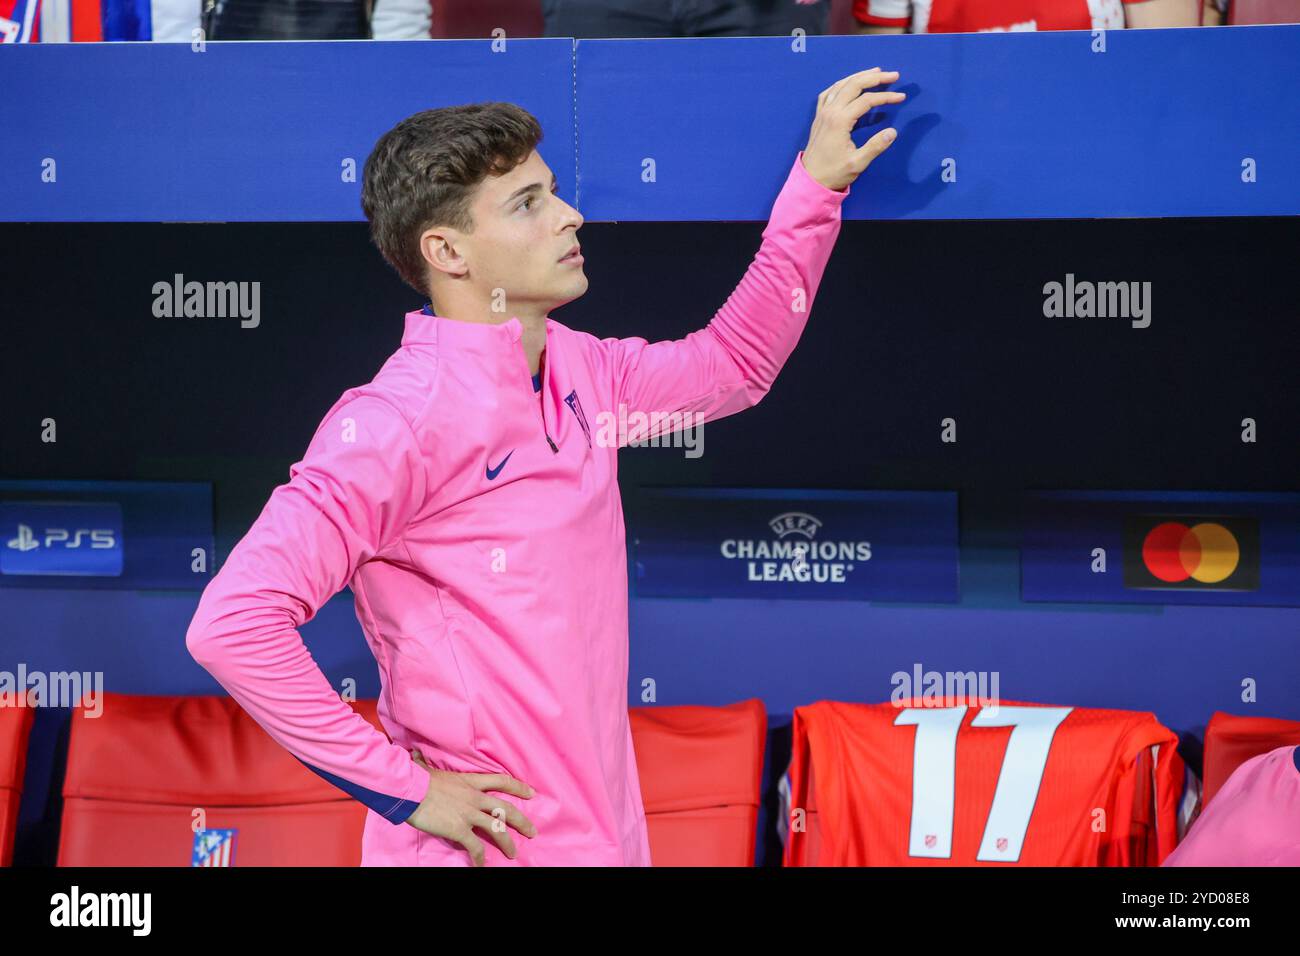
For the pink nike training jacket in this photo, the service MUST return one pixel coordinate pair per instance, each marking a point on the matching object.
(1253, 819)
(480, 527)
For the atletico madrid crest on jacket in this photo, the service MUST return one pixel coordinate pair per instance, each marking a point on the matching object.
(576, 407)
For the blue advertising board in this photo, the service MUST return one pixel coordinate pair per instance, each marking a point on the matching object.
(1153, 547)
(802, 544)
(105, 534)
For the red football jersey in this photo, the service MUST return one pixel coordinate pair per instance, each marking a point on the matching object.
(973, 16)
(1230, 741)
(1026, 784)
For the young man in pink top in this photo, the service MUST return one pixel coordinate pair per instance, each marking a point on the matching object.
(469, 496)
(1253, 820)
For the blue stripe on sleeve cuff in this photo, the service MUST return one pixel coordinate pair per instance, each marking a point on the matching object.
(393, 809)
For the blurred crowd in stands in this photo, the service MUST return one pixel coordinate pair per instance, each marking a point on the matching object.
(180, 21)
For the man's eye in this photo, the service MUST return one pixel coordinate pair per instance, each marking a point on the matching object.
(524, 205)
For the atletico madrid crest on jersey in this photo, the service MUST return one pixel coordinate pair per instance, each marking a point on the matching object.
(576, 407)
(213, 848)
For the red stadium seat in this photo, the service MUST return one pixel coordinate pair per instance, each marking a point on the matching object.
(146, 772)
(1230, 741)
(149, 770)
(701, 770)
(15, 729)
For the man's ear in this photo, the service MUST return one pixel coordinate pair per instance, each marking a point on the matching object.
(441, 250)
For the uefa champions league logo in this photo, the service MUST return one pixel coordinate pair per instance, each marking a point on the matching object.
(796, 555)
(795, 522)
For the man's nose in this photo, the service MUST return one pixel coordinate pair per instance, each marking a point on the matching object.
(572, 216)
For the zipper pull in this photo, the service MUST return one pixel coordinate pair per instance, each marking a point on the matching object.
(552, 444)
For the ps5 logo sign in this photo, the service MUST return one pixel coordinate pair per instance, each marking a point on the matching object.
(26, 541)
(75, 539)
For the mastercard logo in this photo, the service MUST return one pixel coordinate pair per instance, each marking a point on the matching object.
(1207, 552)
(1200, 552)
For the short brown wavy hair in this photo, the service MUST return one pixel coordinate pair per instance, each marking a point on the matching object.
(425, 170)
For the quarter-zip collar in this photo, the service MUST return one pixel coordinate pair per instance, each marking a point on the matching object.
(426, 327)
